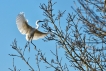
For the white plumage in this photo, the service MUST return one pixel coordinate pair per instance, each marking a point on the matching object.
(30, 32)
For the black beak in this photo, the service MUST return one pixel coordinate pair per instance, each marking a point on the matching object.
(41, 21)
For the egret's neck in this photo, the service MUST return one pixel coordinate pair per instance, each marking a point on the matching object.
(37, 26)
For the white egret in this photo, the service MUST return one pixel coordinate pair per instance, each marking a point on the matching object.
(30, 32)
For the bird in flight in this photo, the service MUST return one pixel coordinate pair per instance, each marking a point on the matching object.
(25, 29)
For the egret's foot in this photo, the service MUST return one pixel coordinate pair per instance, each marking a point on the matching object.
(29, 48)
(27, 45)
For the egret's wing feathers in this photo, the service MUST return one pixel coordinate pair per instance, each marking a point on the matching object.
(22, 24)
(38, 34)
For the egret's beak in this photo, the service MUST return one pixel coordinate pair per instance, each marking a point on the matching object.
(41, 21)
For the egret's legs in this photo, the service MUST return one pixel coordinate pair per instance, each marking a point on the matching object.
(33, 44)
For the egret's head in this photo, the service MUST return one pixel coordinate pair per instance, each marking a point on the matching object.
(39, 21)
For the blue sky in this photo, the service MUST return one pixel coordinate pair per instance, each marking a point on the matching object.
(8, 30)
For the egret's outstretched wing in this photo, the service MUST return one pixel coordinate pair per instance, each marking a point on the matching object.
(38, 34)
(22, 24)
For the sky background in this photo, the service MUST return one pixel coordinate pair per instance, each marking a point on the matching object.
(9, 9)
